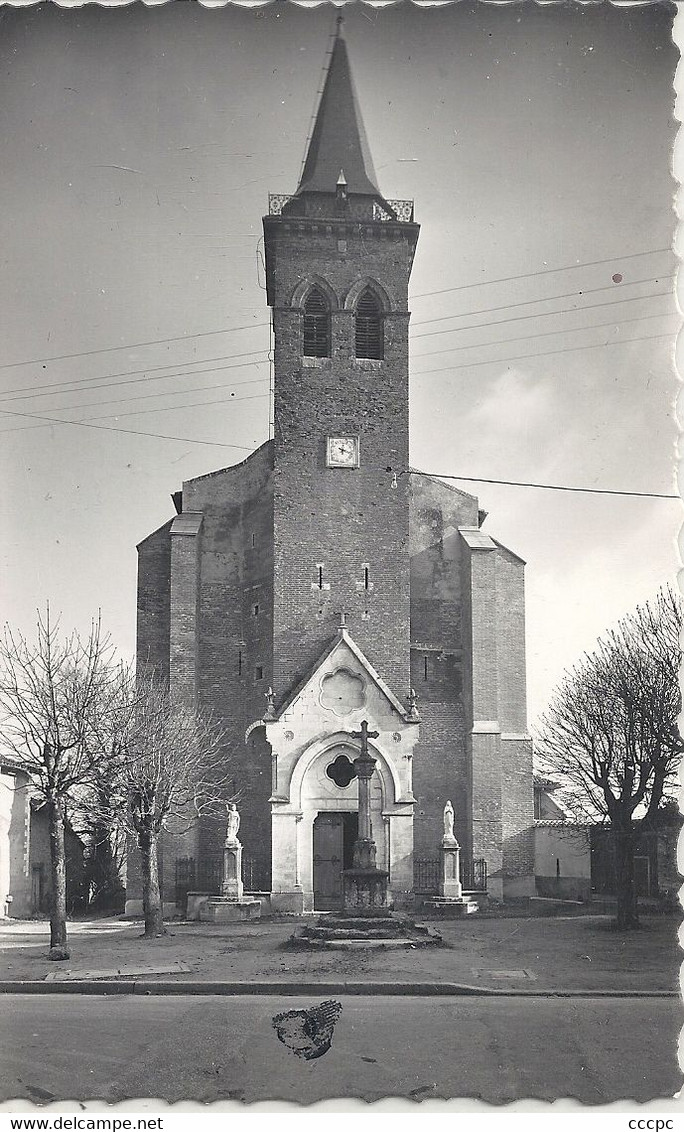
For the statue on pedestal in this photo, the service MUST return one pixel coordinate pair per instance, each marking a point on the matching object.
(233, 824)
(450, 852)
(232, 856)
(449, 823)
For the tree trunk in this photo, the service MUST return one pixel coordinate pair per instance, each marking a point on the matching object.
(152, 904)
(58, 931)
(623, 845)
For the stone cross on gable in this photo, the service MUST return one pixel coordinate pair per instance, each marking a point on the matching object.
(364, 735)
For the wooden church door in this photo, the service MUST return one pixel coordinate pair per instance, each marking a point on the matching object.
(334, 835)
(328, 860)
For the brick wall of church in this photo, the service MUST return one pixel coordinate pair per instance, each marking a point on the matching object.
(449, 594)
(517, 807)
(439, 773)
(343, 519)
(154, 600)
(516, 752)
(234, 630)
(440, 769)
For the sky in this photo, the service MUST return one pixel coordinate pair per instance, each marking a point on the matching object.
(140, 145)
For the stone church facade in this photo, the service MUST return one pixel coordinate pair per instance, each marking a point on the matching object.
(322, 581)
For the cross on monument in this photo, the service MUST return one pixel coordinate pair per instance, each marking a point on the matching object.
(364, 735)
(364, 765)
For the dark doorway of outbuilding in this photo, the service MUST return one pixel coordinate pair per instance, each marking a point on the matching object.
(334, 835)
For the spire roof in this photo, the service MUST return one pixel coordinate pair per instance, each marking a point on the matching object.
(338, 140)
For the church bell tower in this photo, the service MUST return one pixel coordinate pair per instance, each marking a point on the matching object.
(338, 261)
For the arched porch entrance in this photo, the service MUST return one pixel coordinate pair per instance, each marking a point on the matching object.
(324, 792)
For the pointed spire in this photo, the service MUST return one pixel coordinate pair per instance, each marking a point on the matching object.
(338, 140)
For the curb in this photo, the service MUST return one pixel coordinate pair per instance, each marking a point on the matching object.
(161, 987)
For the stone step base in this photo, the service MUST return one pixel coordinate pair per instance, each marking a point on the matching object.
(220, 911)
(451, 909)
(359, 931)
(372, 944)
(353, 933)
(356, 920)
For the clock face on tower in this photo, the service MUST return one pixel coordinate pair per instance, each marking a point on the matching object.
(343, 452)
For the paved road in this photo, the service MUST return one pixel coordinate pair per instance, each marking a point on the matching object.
(58, 1047)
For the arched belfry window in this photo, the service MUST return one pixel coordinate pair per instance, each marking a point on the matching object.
(369, 329)
(316, 325)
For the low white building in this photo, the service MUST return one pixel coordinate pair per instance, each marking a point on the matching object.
(15, 840)
(562, 848)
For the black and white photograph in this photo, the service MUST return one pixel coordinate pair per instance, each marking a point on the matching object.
(339, 669)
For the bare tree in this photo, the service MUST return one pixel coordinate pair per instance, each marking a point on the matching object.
(610, 732)
(174, 765)
(54, 695)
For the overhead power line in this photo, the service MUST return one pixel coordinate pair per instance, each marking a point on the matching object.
(163, 393)
(256, 381)
(131, 346)
(544, 333)
(138, 397)
(433, 475)
(143, 412)
(167, 408)
(541, 354)
(128, 431)
(544, 271)
(253, 381)
(419, 373)
(551, 486)
(544, 299)
(58, 386)
(258, 325)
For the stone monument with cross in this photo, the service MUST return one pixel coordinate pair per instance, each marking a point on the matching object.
(365, 885)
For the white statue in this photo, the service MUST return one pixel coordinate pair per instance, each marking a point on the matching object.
(233, 824)
(449, 822)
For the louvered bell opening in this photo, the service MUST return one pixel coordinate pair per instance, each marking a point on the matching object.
(369, 335)
(316, 327)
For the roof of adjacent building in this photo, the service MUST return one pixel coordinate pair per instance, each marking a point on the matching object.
(338, 147)
(11, 764)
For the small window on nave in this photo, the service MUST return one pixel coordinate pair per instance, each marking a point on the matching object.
(369, 327)
(316, 325)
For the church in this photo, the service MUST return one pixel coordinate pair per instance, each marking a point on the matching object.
(322, 582)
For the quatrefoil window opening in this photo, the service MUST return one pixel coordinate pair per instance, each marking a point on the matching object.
(342, 691)
(341, 771)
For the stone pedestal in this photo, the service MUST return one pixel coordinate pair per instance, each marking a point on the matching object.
(232, 887)
(365, 890)
(364, 853)
(450, 860)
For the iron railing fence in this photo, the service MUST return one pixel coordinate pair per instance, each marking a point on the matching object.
(474, 874)
(426, 874)
(400, 210)
(256, 873)
(206, 875)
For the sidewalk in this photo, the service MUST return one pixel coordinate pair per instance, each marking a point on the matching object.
(528, 955)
